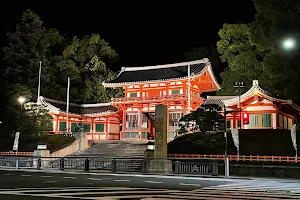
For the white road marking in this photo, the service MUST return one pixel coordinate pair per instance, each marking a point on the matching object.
(153, 182)
(189, 184)
(6, 174)
(25, 175)
(46, 176)
(122, 180)
(95, 179)
(50, 182)
(69, 177)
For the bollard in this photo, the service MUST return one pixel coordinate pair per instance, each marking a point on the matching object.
(17, 163)
(144, 166)
(86, 165)
(113, 165)
(39, 164)
(215, 168)
(62, 164)
(177, 167)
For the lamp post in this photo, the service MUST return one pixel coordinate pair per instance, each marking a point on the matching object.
(21, 100)
(39, 86)
(226, 145)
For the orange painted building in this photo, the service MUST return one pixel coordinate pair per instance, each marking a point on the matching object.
(145, 87)
(259, 108)
(100, 121)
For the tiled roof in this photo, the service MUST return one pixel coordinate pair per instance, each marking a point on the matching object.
(79, 109)
(217, 100)
(160, 72)
(254, 90)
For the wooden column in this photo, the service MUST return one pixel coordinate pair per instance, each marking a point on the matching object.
(140, 108)
(141, 90)
(126, 90)
(93, 128)
(124, 108)
(167, 89)
(56, 124)
(184, 87)
(106, 127)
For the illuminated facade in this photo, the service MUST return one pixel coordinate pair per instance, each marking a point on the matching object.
(258, 110)
(145, 87)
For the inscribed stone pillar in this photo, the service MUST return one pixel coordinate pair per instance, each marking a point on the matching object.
(161, 128)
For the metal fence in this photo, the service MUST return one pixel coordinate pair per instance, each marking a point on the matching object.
(150, 165)
(137, 165)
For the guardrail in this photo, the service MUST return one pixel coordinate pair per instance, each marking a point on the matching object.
(139, 165)
(292, 159)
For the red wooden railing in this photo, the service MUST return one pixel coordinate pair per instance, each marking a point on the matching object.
(178, 97)
(258, 158)
(16, 153)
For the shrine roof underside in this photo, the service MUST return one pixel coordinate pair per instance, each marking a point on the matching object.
(255, 90)
(159, 73)
(78, 109)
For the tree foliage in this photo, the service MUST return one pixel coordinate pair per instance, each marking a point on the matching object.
(87, 59)
(255, 50)
(206, 52)
(207, 117)
(29, 44)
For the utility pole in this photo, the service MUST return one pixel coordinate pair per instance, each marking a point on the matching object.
(239, 84)
(189, 88)
(226, 145)
(68, 94)
(39, 87)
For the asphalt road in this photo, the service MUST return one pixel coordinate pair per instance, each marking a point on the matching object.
(37, 185)
(21, 179)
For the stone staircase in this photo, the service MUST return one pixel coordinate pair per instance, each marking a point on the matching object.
(115, 149)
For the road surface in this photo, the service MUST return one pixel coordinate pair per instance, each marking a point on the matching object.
(32, 185)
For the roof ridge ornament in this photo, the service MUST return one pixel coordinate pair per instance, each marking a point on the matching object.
(255, 82)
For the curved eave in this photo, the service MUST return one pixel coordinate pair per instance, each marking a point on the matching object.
(212, 75)
(292, 105)
(206, 68)
(56, 110)
(254, 90)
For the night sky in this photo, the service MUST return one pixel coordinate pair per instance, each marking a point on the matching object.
(142, 34)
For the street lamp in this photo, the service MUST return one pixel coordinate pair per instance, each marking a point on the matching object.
(289, 43)
(21, 100)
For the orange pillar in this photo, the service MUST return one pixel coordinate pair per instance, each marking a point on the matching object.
(56, 124)
(93, 128)
(140, 108)
(126, 90)
(124, 108)
(167, 89)
(106, 127)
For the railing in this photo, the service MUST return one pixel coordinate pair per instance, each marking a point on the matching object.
(176, 97)
(150, 165)
(2, 153)
(138, 165)
(257, 158)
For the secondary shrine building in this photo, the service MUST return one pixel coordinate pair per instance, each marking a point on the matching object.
(132, 116)
(100, 121)
(258, 110)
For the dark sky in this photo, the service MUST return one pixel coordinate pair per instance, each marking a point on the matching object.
(142, 34)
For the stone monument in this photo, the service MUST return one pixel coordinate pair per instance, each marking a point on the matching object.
(160, 162)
